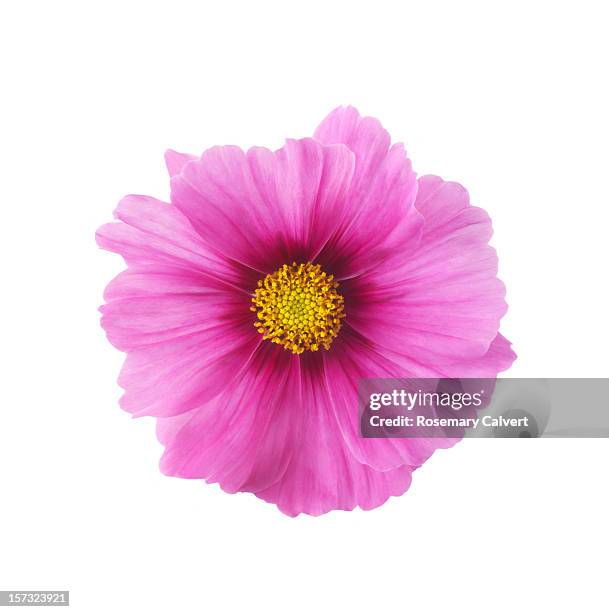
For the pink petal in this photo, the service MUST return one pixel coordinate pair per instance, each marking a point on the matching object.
(444, 303)
(187, 334)
(347, 484)
(142, 280)
(176, 161)
(357, 360)
(136, 322)
(498, 358)
(365, 136)
(322, 474)
(184, 373)
(154, 232)
(344, 368)
(262, 208)
(384, 220)
(243, 439)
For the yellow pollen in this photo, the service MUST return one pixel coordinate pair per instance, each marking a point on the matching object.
(299, 307)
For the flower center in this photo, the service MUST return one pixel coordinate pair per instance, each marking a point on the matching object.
(298, 307)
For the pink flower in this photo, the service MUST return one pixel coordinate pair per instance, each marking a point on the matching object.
(274, 281)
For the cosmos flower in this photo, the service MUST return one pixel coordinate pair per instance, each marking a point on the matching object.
(255, 301)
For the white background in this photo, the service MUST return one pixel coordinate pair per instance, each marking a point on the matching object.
(510, 99)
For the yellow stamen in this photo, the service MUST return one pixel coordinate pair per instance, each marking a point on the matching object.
(298, 307)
